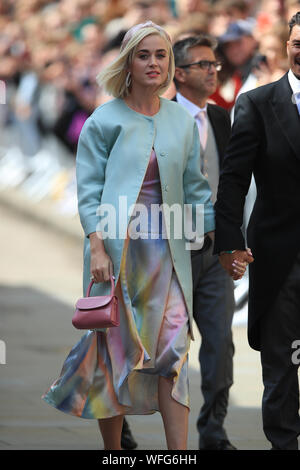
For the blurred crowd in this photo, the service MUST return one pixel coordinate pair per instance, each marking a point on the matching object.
(52, 51)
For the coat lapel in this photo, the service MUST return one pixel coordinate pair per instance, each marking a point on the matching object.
(287, 113)
(217, 123)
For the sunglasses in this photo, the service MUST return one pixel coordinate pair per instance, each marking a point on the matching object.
(204, 65)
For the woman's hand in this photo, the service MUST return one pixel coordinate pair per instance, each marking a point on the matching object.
(235, 263)
(101, 266)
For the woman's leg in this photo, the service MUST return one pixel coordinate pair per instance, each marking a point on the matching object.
(175, 416)
(111, 429)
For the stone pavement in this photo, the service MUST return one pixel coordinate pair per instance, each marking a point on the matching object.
(38, 334)
(35, 323)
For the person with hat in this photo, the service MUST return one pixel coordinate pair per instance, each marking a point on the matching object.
(236, 50)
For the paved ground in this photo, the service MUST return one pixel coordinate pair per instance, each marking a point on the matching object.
(39, 280)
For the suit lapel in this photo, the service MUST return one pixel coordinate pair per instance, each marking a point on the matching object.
(216, 120)
(287, 113)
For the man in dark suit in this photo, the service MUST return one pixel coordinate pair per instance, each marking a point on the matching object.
(196, 80)
(266, 142)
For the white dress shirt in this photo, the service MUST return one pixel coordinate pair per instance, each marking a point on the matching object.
(295, 86)
(209, 157)
(192, 108)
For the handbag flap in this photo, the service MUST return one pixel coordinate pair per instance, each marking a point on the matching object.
(86, 303)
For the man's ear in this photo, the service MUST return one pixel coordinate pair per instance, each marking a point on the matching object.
(179, 75)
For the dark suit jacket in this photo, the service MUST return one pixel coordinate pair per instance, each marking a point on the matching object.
(266, 141)
(221, 124)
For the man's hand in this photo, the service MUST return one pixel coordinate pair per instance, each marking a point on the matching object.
(235, 263)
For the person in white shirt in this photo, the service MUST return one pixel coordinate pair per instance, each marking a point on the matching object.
(265, 142)
(213, 299)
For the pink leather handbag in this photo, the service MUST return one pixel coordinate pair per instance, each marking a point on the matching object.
(97, 312)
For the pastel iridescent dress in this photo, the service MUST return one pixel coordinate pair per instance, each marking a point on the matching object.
(117, 372)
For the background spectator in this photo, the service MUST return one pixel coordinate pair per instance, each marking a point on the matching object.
(51, 53)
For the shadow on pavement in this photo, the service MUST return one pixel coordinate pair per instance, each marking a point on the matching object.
(37, 331)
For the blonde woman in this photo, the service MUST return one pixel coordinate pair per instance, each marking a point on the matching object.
(144, 149)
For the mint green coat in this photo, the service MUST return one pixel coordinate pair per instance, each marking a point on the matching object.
(113, 154)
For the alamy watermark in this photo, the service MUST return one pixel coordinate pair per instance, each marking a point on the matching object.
(2, 352)
(296, 353)
(2, 343)
(2, 92)
(152, 221)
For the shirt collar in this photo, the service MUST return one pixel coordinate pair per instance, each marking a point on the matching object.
(294, 82)
(191, 107)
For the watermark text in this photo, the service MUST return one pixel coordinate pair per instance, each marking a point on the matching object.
(296, 353)
(2, 352)
(2, 92)
(154, 221)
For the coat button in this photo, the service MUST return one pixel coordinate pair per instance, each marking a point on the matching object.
(166, 188)
(163, 154)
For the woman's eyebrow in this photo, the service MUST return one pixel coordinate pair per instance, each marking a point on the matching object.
(146, 50)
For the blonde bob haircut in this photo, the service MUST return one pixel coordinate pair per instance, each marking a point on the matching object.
(113, 77)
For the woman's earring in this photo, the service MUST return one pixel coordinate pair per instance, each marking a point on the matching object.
(128, 80)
